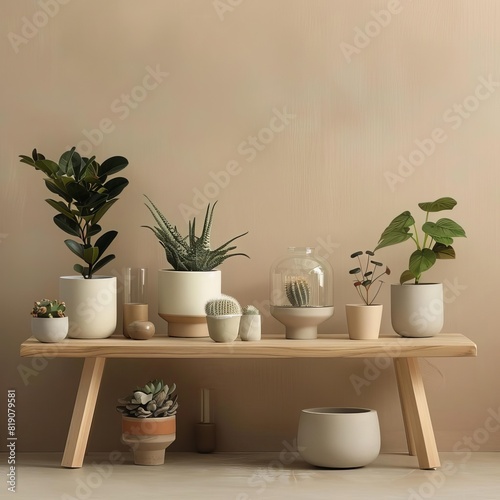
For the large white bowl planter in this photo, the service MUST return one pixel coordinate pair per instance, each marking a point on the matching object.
(182, 296)
(90, 305)
(417, 310)
(340, 438)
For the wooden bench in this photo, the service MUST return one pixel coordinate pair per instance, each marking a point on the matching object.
(403, 351)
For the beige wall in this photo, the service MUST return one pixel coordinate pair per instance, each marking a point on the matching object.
(323, 178)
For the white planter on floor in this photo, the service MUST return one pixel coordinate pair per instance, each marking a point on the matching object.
(339, 438)
(417, 310)
(90, 305)
(182, 296)
(363, 322)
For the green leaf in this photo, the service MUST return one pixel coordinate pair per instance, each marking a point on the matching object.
(90, 255)
(77, 191)
(98, 215)
(67, 225)
(93, 230)
(400, 223)
(356, 254)
(443, 228)
(355, 271)
(115, 186)
(443, 251)
(105, 240)
(406, 276)
(438, 205)
(76, 248)
(421, 260)
(112, 165)
(61, 207)
(48, 167)
(393, 239)
(66, 163)
(103, 262)
(86, 162)
(79, 269)
(53, 187)
(27, 159)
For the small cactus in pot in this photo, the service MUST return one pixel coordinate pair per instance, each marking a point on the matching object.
(48, 322)
(250, 324)
(297, 291)
(223, 318)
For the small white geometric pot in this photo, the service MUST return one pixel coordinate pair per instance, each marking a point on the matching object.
(250, 327)
(223, 328)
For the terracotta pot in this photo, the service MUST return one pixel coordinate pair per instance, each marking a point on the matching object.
(363, 322)
(148, 438)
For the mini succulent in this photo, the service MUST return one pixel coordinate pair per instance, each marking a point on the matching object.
(223, 306)
(297, 291)
(366, 275)
(191, 252)
(249, 310)
(153, 400)
(46, 308)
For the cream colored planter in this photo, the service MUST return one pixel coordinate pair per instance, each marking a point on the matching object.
(417, 310)
(223, 328)
(182, 296)
(250, 327)
(363, 322)
(340, 438)
(49, 329)
(148, 438)
(301, 323)
(90, 305)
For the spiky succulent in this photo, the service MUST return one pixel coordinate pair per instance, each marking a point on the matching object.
(297, 291)
(191, 252)
(46, 308)
(222, 306)
(153, 400)
(249, 310)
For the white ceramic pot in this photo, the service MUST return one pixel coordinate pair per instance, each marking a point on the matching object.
(182, 296)
(90, 305)
(223, 328)
(363, 322)
(50, 329)
(148, 438)
(417, 310)
(339, 438)
(250, 327)
(301, 323)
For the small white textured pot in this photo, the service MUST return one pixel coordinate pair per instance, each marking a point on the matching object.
(339, 438)
(417, 310)
(49, 329)
(223, 328)
(90, 305)
(250, 327)
(363, 322)
(182, 296)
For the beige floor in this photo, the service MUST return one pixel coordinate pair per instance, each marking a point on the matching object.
(246, 476)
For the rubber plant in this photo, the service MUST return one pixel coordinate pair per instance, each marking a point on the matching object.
(433, 242)
(87, 194)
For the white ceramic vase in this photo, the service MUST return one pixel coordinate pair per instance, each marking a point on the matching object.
(182, 296)
(49, 329)
(90, 305)
(223, 328)
(417, 310)
(250, 327)
(363, 322)
(339, 438)
(301, 323)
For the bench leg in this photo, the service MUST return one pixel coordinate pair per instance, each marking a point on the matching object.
(416, 416)
(83, 412)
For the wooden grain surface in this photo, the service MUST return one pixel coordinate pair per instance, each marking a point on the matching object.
(271, 346)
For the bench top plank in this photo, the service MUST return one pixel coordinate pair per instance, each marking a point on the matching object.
(271, 346)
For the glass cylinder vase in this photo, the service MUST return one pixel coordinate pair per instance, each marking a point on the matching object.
(135, 297)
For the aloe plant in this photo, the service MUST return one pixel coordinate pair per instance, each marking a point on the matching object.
(153, 400)
(435, 242)
(223, 306)
(46, 308)
(365, 276)
(87, 195)
(191, 252)
(297, 291)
